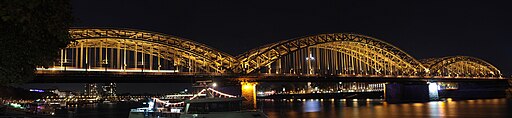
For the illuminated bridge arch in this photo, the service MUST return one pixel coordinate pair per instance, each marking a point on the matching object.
(335, 54)
(128, 49)
(460, 66)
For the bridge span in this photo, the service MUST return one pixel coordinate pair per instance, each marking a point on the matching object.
(129, 55)
(154, 77)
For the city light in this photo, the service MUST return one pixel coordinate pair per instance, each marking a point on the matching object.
(433, 89)
(36, 90)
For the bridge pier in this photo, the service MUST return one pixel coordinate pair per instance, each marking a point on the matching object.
(407, 92)
(249, 93)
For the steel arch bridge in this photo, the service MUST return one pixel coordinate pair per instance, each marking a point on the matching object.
(127, 49)
(460, 66)
(119, 50)
(332, 54)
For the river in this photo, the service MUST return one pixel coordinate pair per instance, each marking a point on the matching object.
(337, 108)
(317, 108)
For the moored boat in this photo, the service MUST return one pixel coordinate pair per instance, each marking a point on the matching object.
(224, 106)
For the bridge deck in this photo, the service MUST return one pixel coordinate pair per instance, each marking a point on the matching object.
(181, 77)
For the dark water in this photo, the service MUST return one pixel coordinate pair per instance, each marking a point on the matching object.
(330, 108)
(99, 110)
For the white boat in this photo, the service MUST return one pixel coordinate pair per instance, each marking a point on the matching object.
(218, 108)
(197, 107)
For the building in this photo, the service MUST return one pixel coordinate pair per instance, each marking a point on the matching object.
(91, 89)
(60, 93)
(109, 89)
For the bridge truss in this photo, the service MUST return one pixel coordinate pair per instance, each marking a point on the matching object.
(126, 49)
(331, 54)
(461, 66)
(335, 54)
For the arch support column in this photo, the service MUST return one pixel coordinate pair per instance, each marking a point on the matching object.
(249, 93)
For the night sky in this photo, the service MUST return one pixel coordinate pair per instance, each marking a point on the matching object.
(423, 29)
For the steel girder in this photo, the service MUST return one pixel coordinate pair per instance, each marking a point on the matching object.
(167, 45)
(377, 53)
(463, 66)
(381, 60)
(257, 58)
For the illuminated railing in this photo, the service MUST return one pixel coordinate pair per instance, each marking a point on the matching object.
(202, 92)
(105, 70)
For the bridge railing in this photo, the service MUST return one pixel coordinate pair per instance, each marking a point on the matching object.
(372, 76)
(127, 73)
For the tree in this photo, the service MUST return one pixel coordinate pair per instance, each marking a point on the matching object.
(32, 32)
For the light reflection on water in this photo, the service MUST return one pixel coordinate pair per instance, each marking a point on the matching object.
(312, 106)
(98, 110)
(328, 108)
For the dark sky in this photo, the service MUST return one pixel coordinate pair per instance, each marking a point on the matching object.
(421, 28)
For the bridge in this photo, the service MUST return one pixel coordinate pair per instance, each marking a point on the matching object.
(129, 55)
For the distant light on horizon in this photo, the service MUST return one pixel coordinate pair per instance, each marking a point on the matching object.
(37, 90)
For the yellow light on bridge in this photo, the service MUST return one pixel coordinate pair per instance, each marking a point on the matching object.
(248, 85)
(249, 92)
